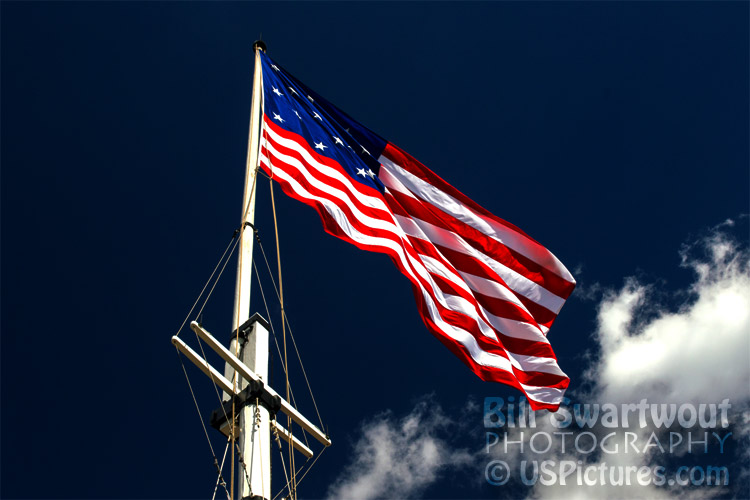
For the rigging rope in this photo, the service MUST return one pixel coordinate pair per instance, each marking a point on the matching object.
(206, 285)
(225, 259)
(276, 342)
(205, 359)
(281, 450)
(195, 401)
(292, 491)
(242, 463)
(233, 243)
(291, 333)
(257, 429)
(309, 468)
(226, 417)
(218, 277)
(219, 479)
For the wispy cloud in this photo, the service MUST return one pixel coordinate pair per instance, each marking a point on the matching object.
(399, 457)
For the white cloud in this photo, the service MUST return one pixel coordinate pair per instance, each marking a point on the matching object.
(696, 351)
(400, 457)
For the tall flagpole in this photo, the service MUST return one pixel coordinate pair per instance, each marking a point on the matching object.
(247, 396)
(254, 429)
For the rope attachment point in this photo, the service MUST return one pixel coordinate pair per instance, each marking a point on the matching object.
(255, 392)
(243, 226)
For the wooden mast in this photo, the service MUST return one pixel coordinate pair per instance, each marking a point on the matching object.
(254, 430)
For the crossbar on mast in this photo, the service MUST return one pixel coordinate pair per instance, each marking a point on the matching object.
(286, 436)
(198, 361)
(248, 374)
(226, 385)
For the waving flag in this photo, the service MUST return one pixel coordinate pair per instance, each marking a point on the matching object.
(484, 288)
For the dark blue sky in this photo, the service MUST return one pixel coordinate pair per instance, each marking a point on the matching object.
(610, 132)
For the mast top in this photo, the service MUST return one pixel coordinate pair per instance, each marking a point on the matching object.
(259, 44)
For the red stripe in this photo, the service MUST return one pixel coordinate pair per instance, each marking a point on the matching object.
(511, 344)
(544, 350)
(410, 164)
(468, 264)
(350, 195)
(329, 162)
(420, 209)
(329, 222)
(487, 373)
(498, 307)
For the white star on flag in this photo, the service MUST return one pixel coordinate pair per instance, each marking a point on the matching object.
(361, 171)
(364, 150)
(370, 173)
(311, 99)
(276, 116)
(316, 115)
(277, 92)
(338, 141)
(293, 91)
(320, 146)
(275, 67)
(298, 116)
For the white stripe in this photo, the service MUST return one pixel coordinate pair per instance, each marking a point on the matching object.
(492, 289)
(514, 280)
(518, 361)
(459, 304)
(511, 328)
(418, 228)
(472, 283)
(456, 302)
(457, 209)
(549, 395)
(345, 197)
(536, 364)
(370, 201)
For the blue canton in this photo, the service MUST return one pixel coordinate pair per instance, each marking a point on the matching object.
(327, 129)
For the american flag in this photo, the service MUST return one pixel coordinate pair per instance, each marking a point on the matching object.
(484, 288)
